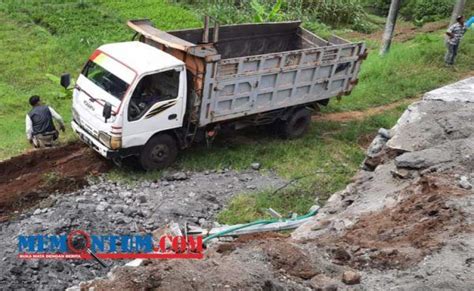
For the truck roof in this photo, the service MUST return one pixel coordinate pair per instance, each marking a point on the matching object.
(140, 57)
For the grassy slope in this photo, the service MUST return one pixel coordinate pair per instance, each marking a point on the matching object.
(39, 38)
(409, 69)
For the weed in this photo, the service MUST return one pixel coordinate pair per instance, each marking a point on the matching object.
(51, 178)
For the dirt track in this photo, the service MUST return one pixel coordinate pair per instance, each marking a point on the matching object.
(27, 178)
(403, 32)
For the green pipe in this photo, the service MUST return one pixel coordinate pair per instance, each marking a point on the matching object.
(265, 221)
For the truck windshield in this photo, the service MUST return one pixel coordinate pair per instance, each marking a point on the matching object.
(105, 80)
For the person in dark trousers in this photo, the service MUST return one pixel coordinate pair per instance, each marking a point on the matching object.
(40, 130)
(455, 33)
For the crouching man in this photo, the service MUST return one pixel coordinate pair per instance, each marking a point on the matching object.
(40, 130)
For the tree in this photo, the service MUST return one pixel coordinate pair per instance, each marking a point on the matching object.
(390, 26)
(457, 10)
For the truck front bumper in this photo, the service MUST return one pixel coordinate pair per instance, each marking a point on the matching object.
(93, 142)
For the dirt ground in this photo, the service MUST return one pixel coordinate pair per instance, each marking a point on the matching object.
(359, 115)
(401, 236)
(403, 32)
(28, 178)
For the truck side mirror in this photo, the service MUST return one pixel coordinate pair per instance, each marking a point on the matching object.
(107, 112)
(65, 80)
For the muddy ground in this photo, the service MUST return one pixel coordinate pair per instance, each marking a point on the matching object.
(405, 223)
(26, 179)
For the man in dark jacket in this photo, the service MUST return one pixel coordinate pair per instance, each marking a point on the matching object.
(40, 130)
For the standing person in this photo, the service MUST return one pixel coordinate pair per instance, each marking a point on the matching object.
(40, 130)
(455, 33)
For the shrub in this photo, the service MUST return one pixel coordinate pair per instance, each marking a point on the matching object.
(422, 11)
(418, 11)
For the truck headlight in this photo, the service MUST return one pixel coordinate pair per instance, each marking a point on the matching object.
(112, 142)
(105, 138)
(116, 142)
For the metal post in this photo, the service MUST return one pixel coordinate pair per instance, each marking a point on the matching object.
(216, 32)
(205, 33)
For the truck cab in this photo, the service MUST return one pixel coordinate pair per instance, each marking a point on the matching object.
(127, 93)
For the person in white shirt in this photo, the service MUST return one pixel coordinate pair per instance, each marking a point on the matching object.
(40, 129)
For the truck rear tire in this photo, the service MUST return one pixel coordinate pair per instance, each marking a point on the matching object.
(159, 152)
(296, 125)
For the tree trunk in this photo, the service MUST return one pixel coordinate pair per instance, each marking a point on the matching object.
(457, 10)
(390, 26)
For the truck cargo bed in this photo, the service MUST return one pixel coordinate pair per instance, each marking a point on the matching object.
(252, 39)
(253, 68)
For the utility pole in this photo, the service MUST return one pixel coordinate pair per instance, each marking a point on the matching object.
(390, 26)
(457, 10)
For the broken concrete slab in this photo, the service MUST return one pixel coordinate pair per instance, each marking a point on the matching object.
(462, 91)
(443, 114)
(423, 159)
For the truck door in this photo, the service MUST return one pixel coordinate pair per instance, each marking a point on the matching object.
(156, 104)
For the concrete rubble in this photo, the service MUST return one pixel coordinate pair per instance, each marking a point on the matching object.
(405, 223)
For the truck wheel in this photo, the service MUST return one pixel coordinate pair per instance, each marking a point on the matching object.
(159, 152)
(296, 125)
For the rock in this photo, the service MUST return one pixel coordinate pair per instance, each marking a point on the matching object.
(102, 206)
(58, 266)
(383, 132)
(16, 270)
(323, 282)
(341, 255)
(401, 173)
(179, 176)
(35, 265)
(376, 145)
(351, 278)
(37, 211)
(117, 208)
(255, 166)
(423, 159)
(464, 183)
(142, 199)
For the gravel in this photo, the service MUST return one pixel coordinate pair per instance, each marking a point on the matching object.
(107, 207)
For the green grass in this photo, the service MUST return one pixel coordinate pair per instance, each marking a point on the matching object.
(253, 206)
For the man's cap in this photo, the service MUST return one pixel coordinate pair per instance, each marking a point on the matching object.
(34, 100)
(459, 17)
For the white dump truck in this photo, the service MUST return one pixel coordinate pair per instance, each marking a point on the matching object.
(163, 91)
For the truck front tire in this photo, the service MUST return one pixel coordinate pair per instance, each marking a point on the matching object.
(296, 125)
(159, 152)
